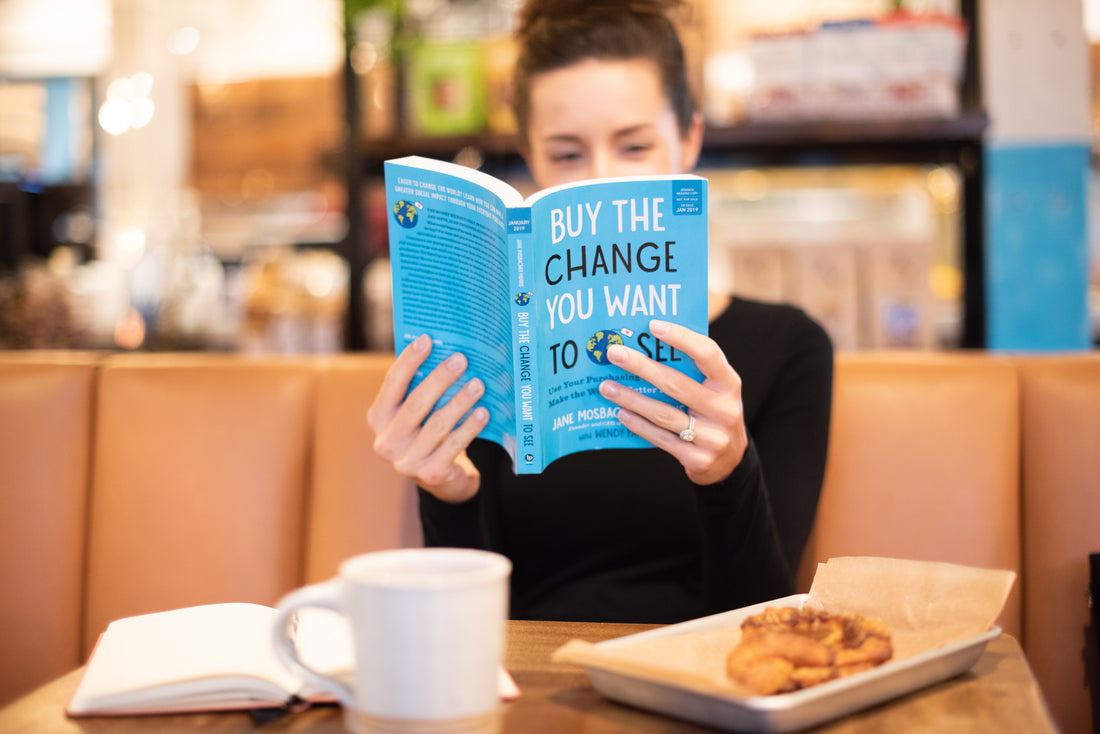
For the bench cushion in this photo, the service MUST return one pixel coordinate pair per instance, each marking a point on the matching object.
(201, 469)
(358, 503)
(1061, 495)
(923, 464)
(45, 431)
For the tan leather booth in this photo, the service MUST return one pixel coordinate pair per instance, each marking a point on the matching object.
(357, 504)
(46, 408)
(1060, 399)
(923, 464)
(199, 483)
(133, 483)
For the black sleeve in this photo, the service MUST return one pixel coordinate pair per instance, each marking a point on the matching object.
(450, 524)
(755, 523)
(742, 558)
(791, 433)
(462, 524)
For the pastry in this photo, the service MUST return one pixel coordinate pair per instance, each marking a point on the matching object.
(783, 649)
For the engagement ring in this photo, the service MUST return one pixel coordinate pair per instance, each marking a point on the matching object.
(688, 434)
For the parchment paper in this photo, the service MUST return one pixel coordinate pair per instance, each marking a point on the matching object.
(926, 605)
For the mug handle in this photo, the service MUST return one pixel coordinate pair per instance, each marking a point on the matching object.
(326, 595)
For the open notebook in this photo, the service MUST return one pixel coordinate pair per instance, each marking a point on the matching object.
(211, 657)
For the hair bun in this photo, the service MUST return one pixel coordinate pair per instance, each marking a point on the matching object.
(535, 12)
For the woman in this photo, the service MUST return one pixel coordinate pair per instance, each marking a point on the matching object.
(713, 517)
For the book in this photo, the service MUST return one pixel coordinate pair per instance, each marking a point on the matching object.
(206, 658)
(533, 291)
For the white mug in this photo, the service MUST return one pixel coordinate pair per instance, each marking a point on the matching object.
(427, 626)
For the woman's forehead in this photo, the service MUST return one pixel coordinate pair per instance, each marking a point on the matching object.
(628, 91)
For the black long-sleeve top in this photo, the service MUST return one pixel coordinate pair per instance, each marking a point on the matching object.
(624, 536)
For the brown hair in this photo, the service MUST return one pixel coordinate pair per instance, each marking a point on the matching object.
(554, 34)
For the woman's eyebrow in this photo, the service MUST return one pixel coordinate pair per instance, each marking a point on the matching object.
(634, 129)
(562, 138)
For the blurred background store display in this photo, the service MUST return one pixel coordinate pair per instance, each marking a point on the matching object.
(870, 252)
(206, 174)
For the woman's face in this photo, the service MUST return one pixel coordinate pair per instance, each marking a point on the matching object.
(602, 119)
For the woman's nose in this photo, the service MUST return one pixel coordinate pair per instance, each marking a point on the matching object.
(603, 164)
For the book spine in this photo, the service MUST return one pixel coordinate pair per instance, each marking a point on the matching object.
(529, 457)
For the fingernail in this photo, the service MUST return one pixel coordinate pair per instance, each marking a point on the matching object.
(658, 327)
(609, 389)
(474, 387)
(617, 353)
(481, 413)
(456, 362)
(421, 343)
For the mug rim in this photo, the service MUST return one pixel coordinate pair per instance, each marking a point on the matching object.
(390, 568)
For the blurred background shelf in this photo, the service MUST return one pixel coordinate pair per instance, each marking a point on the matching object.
(262, 225)
(891, 135)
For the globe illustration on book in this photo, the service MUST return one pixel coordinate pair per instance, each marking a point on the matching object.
(523, 299)
(406, 214)
(599, 342)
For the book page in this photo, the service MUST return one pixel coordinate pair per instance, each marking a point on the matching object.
(194, 657)
(450, 276)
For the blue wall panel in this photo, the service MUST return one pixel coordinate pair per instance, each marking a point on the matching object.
(1036, 247)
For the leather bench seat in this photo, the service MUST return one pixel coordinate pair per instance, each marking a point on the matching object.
(923, 464)
(46, 408)
(1060, 432)
(133, 483)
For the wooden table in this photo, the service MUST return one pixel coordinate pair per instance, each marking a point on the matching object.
(999, 694)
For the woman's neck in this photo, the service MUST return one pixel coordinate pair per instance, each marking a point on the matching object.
(716, 304)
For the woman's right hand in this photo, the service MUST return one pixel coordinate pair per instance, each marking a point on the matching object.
(430, 448)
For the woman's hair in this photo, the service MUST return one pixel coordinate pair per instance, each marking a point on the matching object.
(554, 34)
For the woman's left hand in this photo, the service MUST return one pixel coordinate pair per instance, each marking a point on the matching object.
(720, 435)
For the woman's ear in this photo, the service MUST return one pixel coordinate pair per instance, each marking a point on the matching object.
(692, 143)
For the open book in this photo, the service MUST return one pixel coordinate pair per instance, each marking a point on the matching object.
(206, 658)
(533, 291)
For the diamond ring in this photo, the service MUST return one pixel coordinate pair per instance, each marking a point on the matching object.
(688, 434)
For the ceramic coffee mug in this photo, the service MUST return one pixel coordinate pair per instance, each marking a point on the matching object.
(427, 626)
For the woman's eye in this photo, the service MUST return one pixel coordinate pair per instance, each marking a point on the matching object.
(569, 156)
(637, 149)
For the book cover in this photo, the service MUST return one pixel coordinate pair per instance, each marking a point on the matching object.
(534, 291)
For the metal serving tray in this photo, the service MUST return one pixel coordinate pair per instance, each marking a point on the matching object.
(785, 712)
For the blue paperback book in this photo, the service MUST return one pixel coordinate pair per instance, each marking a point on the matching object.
(534, 290)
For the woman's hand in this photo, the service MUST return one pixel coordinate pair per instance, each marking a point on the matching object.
(431, 449)
(720, 435)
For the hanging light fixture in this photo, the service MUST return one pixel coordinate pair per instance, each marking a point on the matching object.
(54, 38)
